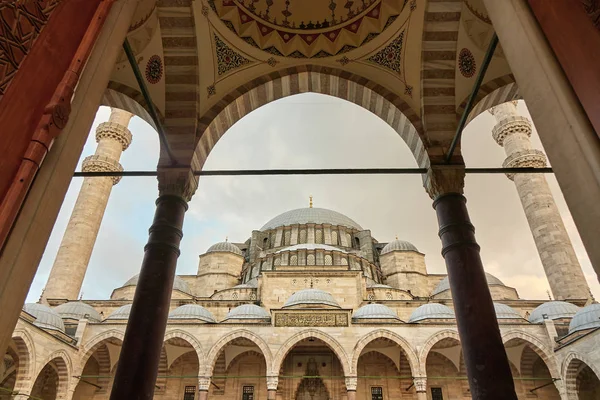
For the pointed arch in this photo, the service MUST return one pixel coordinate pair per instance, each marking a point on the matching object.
(316, 79)
(492, 93)
(537, 346)
(570, 370)
(96, 342)
(216, 349)
(192, 341)
(429, 343)
(332, 343)
(63, 365)
(26, 355)
(386, 334)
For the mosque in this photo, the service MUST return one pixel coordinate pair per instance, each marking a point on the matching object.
(311, 306)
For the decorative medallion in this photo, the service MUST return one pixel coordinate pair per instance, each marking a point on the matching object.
(154, 69)
(272, 62)
(466, 63)
(390, 56)
(211, 90)
(307, 28)
(343, 61)
(227, 58)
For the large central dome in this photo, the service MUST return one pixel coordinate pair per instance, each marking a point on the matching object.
(303, 216)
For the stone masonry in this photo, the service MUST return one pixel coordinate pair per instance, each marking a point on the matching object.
(77, 244)
(554, 246)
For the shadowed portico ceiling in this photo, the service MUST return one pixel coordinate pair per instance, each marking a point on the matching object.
(419, 56)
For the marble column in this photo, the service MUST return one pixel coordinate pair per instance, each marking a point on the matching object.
(70, 265)
(137, 368)
(560, 262)
(351, 383)
(421, 387)
(488, 369)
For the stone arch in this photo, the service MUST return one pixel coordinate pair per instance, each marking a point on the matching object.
(386, 334)
(128, 99)
(492, 93)
(570, 370)
(163, 369)
(63, 365)
(428, 345)
(26, 355)
(96, 342)
(333, 344)
(216, 349)
(309, 78)
(192, 341)
(537, 346)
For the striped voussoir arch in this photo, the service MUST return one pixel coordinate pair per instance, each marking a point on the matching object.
(178, 32)
(303, 79)
(25, 360)
(102, 356)
(128, 99)
(440, 35)
(61, 362)
(492, 93)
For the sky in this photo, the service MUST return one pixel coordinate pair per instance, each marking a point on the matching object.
(312, 131)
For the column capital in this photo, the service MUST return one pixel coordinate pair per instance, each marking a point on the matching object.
(114, 131)
(420, 384)
(443, 179)
(203, 384)
(97, 163)
(351, 383)
(272, 382)
(177, 181)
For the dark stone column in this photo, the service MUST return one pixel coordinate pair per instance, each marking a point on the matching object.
(138, 362)
(485, 358)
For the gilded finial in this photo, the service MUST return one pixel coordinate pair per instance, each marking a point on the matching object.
(226, 238)
(81, 296)
(396, 237)
(310, 203)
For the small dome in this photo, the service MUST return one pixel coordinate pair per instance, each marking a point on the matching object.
(303, 216)
(311, 296)
(553, 310)
(45, 317)
(192, 311)
(431, 311)
(224, 247)
(398, 245)
(121, 312)
(375, 311)
(311, 246)
(78, 310)
(505, 312)
(248, 311)
(178, 284)
(586, 318)
(445, 283)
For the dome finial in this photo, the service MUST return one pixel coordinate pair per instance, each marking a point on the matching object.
(396, 237)
(227, 238)
(310, 201)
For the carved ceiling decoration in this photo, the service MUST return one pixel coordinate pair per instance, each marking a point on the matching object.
(466, 63)
(307, 28)
(227, 58)
(20, 24)
(390, 56)
(154, 69)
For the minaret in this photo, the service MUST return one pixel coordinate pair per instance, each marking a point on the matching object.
(77, 244)
(562, 268)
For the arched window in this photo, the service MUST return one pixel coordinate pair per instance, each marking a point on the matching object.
(357, 243)
(334, 238)
(328, 259)
(302, 238)
(294, 259)
(287, 237)
(319, 236)
(310, 259)
(344, 261)
(265, 243)
(277, 260)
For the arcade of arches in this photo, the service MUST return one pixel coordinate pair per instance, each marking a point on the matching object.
(312, 306)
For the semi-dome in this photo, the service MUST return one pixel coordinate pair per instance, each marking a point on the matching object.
(224, 247)
(398, 245)
(121, 312)
(311, 297)
(310, 215)
(586, 318)
(45, 317)
(431, 311)
(178, 284)
(248, 311)
(553, 310)
(445, 283)
(311, 246)
(192, 311)
(78, 310)
(375, 311)
(505, 312)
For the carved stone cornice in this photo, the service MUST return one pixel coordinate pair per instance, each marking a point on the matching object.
(351, 383)
(530, 158)
(177, 181)
(97, 163)
(443, 179)
(114, 131)
(509, 126)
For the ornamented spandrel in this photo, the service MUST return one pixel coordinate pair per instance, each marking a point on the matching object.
(20, 25)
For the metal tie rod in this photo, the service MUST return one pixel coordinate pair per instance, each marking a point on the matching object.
(330, 171)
